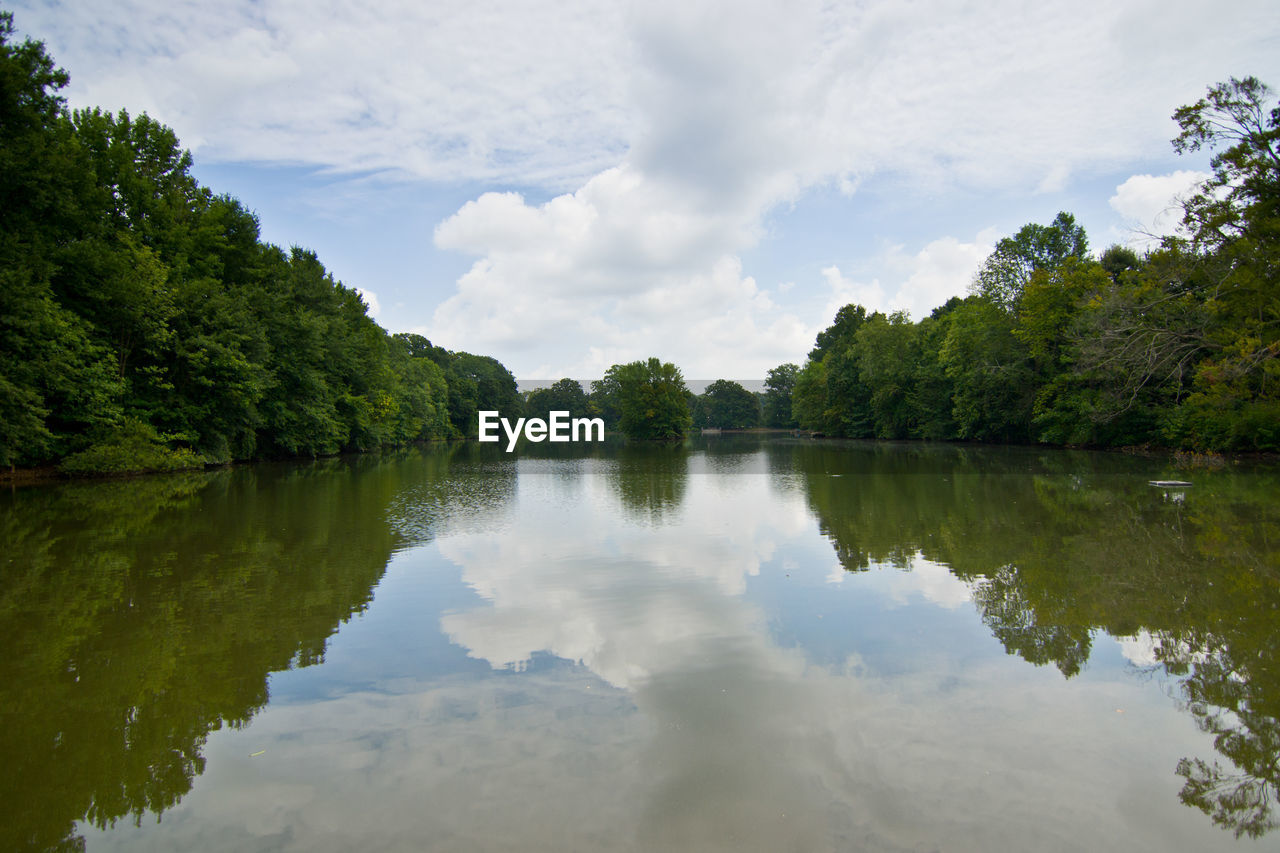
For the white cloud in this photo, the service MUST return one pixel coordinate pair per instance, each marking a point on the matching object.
(671, 130)
(917, 283)
(1055, 180)
(844, 290)
(370, 299)
(748, 105)
(627, 261)
(1140, 649)
(933, 582)
(532, 93)
(1145, 649)
(1151, 204)
(630, 261)
(686, 569)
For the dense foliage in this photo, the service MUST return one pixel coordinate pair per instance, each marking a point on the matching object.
(144, 616)
(1175, 348)
(565, 395)
(144, 325)
(644, 399)
(725, 405)
(1066, 552)
(776, 403)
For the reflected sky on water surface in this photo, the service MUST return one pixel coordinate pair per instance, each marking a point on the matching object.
(739, 644)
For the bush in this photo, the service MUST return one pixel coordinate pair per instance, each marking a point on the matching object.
(133, 447)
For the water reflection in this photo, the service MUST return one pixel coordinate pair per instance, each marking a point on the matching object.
(661, 614)
(728, 760)
(140, 616)
(735, 644)
(1074, 544)
(651, 480)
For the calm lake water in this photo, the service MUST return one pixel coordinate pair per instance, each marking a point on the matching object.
(740, 644)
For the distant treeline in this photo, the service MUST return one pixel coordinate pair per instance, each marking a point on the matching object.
(1177, 347)
(1174, 348)
(144, 325)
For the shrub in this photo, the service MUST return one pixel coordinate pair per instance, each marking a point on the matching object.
(132, 447)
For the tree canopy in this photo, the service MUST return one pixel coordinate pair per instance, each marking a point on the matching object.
(1175, 347)
(652, 400)
(566, 395)
(727, 405)
(144, 324)
(776, 406)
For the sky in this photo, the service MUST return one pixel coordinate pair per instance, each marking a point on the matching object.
(568, 185)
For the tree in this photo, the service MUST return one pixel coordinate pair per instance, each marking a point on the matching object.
(779, 384)
(990, 373)
(652, 399)
(1234, 222)
(1125, 349)
(566, 395)
(1244, 192)
(842, 406)
(57, 379)
(839, 335)
(421, 399)
(1079, 400)
(1008, 269)
(809, 397)
(476, 383)
(141, 315)
(30, 109)
(887, 357)
(727, 405)
(1118, 260)
(602, 402)
(931, 388)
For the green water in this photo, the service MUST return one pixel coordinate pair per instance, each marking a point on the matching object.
(740, 644)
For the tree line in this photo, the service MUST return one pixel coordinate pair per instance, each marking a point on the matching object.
(1174, 347)
(648, 399)
(144, 324)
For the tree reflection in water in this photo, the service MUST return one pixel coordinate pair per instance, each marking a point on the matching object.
(145, 614)
(1058, 546)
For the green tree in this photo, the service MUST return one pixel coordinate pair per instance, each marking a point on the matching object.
(56, 378)
(652, 399)
(566, 395)
(887, 357)
(1234, 222)
(839, 335)
(842, 407)
(1008, 269)
(727, 405)
(479, 383)
(990, 373)
(142, 317)
(420, 402)
(602, 402)
(779, 385)
(809, 398)
(1137, 339)
(931, 388)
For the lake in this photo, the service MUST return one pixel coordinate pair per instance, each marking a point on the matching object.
(744, 643)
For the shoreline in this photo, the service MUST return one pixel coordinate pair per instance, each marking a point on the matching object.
(49, 473)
